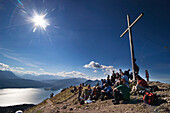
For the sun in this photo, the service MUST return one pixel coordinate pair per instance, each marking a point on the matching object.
(39, 21)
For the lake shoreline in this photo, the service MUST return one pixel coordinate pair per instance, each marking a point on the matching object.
(14, 108)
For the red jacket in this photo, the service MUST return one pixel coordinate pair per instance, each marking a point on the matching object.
(147, 74)
(143, 83)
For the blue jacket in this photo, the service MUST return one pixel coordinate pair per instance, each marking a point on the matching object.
(108, 89)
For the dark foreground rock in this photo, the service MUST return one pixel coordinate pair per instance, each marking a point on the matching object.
(13, 109)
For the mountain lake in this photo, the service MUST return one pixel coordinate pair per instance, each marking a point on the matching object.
(18, 96)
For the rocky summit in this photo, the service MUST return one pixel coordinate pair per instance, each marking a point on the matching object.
(68, 102)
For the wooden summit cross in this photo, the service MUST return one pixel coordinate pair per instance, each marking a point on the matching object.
(131, 41)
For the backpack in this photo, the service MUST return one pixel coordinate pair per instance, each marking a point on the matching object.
(150, 98)
(154, 88)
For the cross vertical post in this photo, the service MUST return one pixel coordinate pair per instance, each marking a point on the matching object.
(131, 46)
(131, 41)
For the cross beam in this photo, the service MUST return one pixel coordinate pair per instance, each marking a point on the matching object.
(129, 26)
(131, 41)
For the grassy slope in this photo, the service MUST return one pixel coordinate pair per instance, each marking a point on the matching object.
(59, 98)
(136, 103)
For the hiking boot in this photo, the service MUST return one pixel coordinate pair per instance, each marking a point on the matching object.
(102, 99)
(116, 102)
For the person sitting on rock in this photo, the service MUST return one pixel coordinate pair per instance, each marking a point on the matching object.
(121, 92)
(107, 91)
(117, 81)
(75, 89)
(141, 84)
(81, 100)
(95, 93)
(103, 81)
(123, 76)
(87, 92)
(113, 80)
(109, 82)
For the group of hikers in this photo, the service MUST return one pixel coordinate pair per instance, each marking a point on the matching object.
(115, 87)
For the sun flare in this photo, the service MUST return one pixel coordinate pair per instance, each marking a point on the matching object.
(39, 21)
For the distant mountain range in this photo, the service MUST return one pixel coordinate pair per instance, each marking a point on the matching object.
(41, 77)
(63, 83)
(9, 80)
(92, 83)
(8, 75)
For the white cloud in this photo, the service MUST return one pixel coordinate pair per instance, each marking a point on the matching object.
(72, 74)
(2, 65)
(41, 69)
(22, 60)
(96, 65)
(93, 65)
(20, 68)
(95, 71)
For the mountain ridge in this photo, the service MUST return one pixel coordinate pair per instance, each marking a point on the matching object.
(9, 80)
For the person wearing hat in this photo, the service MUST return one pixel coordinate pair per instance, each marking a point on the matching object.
(126, 79)
(121, 92)
(107, 91)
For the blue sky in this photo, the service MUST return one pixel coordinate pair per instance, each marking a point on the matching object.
(82, 31)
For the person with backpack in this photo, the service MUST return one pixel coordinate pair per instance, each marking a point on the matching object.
(141, 84)
(121, 92)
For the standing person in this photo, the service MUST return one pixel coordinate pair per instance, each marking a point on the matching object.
(51, 95)
(127, 73)
(113, 77)
(108, 76)
(112, 80)
(80, 90)
(147, 75)
(136, 68)
(108, 81)
(120, 71)
(131, 76)
(113, 74)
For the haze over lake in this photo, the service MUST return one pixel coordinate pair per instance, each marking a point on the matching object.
(17, 96)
